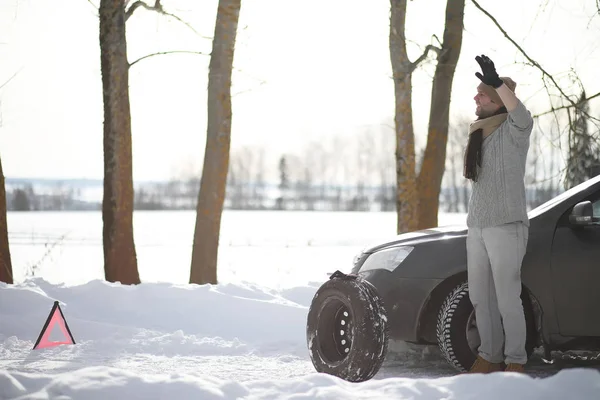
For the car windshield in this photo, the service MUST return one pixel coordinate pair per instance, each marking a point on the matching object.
(562, 197)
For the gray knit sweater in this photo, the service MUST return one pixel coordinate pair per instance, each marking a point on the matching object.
(498, 196)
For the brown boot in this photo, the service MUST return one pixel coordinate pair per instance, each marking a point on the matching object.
(514, 367)
(483, 366)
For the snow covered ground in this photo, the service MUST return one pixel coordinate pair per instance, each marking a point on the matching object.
(241, 339)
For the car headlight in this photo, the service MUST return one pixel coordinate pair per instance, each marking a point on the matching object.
(386, 259)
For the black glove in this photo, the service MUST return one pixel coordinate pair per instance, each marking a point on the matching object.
(490, 76)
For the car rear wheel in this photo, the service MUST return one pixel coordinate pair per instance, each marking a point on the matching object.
(346, 329)
(457, 333)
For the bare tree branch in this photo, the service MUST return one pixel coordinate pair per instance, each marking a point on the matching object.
(166, 52)
(140, 3)
(566, 107)
(1, 86)
(157, 7)
(247, 90)
(542, 8)
(260, 81)
(532, 61)
(96, 10)
(10, 79)
(423, 56)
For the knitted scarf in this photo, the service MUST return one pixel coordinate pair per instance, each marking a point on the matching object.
(488, 125)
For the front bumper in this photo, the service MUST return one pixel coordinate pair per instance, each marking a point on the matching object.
(404, 300)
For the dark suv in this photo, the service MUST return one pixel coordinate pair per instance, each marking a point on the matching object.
(414, 288)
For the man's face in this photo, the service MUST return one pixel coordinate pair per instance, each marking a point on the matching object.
(485, 107)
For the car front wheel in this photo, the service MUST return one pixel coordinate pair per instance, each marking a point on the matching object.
(457, 333)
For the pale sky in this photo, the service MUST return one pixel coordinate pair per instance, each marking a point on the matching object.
(304, 70)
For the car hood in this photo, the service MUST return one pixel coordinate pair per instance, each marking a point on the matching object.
(416, 237)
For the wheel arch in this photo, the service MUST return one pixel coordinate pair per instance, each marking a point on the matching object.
(426, 329)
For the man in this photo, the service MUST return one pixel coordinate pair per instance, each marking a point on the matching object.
(497, 219)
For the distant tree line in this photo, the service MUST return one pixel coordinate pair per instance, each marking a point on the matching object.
(56, 198)
(337, 174)
(177, 195)
(180, 195)
(354, 173)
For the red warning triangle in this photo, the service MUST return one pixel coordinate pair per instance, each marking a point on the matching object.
(56, 317)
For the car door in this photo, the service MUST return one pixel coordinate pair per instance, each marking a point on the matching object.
(576, 275)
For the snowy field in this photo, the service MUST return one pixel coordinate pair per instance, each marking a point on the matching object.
(241, 339)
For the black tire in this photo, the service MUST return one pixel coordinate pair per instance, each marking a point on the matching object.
(456, 317)
(346, 330)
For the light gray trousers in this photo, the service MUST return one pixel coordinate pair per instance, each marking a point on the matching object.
(494, 257)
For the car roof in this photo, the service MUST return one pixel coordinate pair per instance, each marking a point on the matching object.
(555, 201)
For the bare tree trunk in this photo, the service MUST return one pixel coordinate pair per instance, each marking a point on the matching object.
(6, 274)
(402, 68)
(218, 138)
(120, 261)
(432, 169)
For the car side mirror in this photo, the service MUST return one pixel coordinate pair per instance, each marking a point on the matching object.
(583, 214)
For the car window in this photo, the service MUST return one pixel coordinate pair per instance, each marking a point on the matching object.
(596, 206)
(564, 196)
